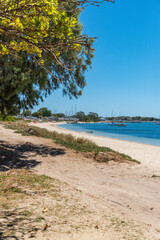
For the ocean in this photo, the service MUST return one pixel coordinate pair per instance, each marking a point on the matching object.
(148, 133)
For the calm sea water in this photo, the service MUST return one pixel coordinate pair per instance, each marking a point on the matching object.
(148, 133)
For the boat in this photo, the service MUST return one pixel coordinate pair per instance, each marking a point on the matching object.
(74, 122)
(121, 125)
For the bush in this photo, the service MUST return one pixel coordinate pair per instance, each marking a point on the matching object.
(8, 118)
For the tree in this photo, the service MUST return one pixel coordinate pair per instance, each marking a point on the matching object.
(28, 24)
(67, 54)
(37, 114)
(59, 115)
(22, 83)
(45, 112)
(92, 117)
(81, 116)
(27, 113)
(92, 114)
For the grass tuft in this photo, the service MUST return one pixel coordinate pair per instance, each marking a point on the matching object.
(69, 141)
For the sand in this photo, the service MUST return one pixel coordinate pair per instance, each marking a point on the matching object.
(123, 191)
(148, 155)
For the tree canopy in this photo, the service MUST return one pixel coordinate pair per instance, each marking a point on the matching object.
(28, 24)
(42, 48)
(45, 112)
(22, 83)
(91, 117)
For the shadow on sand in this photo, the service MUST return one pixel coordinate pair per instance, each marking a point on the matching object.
(19, 156)
(13, 223)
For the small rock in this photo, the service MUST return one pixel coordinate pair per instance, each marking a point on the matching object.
(97, 227)
(45, 210)
(30, 192)
(45, 227)
(32, 235)
(30, 130)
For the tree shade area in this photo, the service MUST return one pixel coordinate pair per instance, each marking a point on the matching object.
(42, 48)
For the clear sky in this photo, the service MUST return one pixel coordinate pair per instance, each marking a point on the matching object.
(125, 74)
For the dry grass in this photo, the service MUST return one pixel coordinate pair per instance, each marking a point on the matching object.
(101, 154)
(35, 205)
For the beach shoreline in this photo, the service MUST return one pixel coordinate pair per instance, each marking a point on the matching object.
(126, 191)
(148, 155)
(92, 134)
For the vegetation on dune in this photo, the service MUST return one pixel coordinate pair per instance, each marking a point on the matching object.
(12, 183)
(79, 144)
(31, 203)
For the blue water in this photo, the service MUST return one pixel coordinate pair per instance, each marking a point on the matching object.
(148, 133)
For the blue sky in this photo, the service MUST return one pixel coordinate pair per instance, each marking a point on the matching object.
(125, 75)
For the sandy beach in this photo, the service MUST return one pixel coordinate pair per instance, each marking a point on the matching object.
(148, 155)
(125, 197)
(123, 184)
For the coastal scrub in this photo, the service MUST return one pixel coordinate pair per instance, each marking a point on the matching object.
(100, 154)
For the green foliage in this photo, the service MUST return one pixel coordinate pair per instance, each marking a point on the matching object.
(37, 114)
(91, 117)
(45, 112)
(7, 118)
(48, 51)
(136, 118)
(59, 115)
(22, 178)
(42, 112)
(22, 84)
(27, 113)
(28, 24)
(81, 116)
(45, 30)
